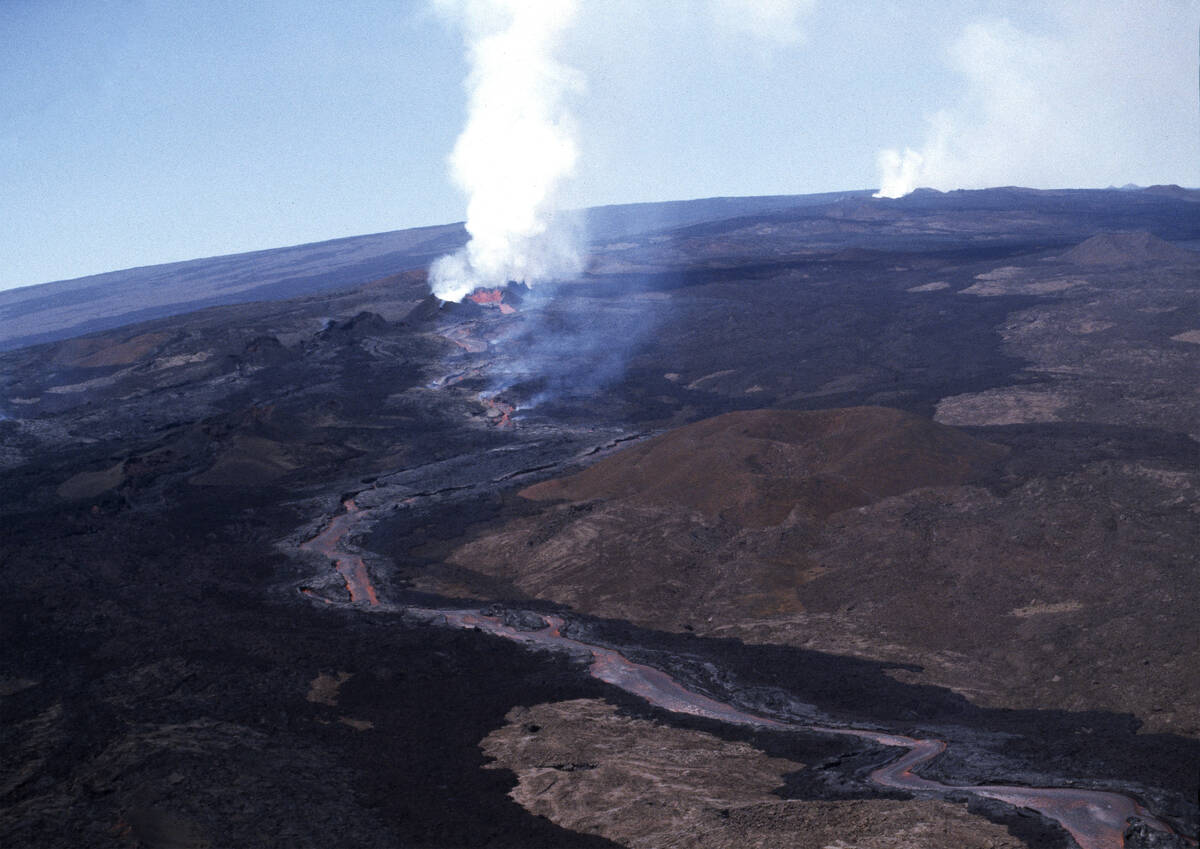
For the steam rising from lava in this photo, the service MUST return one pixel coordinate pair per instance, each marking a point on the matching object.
(517, 147)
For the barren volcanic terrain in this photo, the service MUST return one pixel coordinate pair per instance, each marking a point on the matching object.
(817, 521)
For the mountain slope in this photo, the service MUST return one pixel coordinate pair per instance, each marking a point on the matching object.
(754, 468)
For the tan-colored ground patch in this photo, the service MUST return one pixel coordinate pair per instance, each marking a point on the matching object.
(935, 286)
(990, 287)
(1006, 406)
(1006, 272)
(181, 360)
(644, 785)
(1192, 336)
(323, 690)
(1039, 608)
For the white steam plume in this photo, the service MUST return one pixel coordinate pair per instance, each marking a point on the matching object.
(1077, 102)
(517, 147)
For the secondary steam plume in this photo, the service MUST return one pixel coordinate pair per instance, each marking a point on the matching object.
(1087, 94)
(517, 147)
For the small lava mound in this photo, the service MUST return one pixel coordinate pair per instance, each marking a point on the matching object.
(1130, 248)
(365, 323)
(755, 467)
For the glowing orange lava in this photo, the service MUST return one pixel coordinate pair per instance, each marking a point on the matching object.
(491, 298)
(486, 296)
(504, 411)
(349, 566)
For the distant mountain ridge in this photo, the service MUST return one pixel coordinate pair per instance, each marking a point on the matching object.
(61, 309)
(67, 308)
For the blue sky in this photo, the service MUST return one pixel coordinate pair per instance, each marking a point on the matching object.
(136, 132)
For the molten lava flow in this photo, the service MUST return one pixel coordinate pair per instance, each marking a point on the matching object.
(1096, 819)
(486, 296)
(453, 378)
(311, 593)
(499, 413)
(349, 566)
(1093, 817)
(491, 298)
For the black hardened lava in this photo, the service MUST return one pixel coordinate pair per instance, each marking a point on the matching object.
(158, 659)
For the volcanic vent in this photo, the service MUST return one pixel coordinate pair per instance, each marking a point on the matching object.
(491, 298)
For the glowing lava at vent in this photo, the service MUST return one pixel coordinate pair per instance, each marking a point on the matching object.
(486, 296)
(498, 413)
(491, 298)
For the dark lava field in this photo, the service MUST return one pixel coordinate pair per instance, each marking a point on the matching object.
(690, 551)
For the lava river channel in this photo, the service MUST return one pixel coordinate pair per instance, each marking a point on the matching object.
(350, 566)
(1096, 819)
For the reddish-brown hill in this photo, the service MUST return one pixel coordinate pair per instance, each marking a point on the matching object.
(736, 527)
(754, 468)
(1128, 249)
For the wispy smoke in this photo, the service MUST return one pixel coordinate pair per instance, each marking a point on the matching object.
(516, 149)
(567, 347)
(1069, 103)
